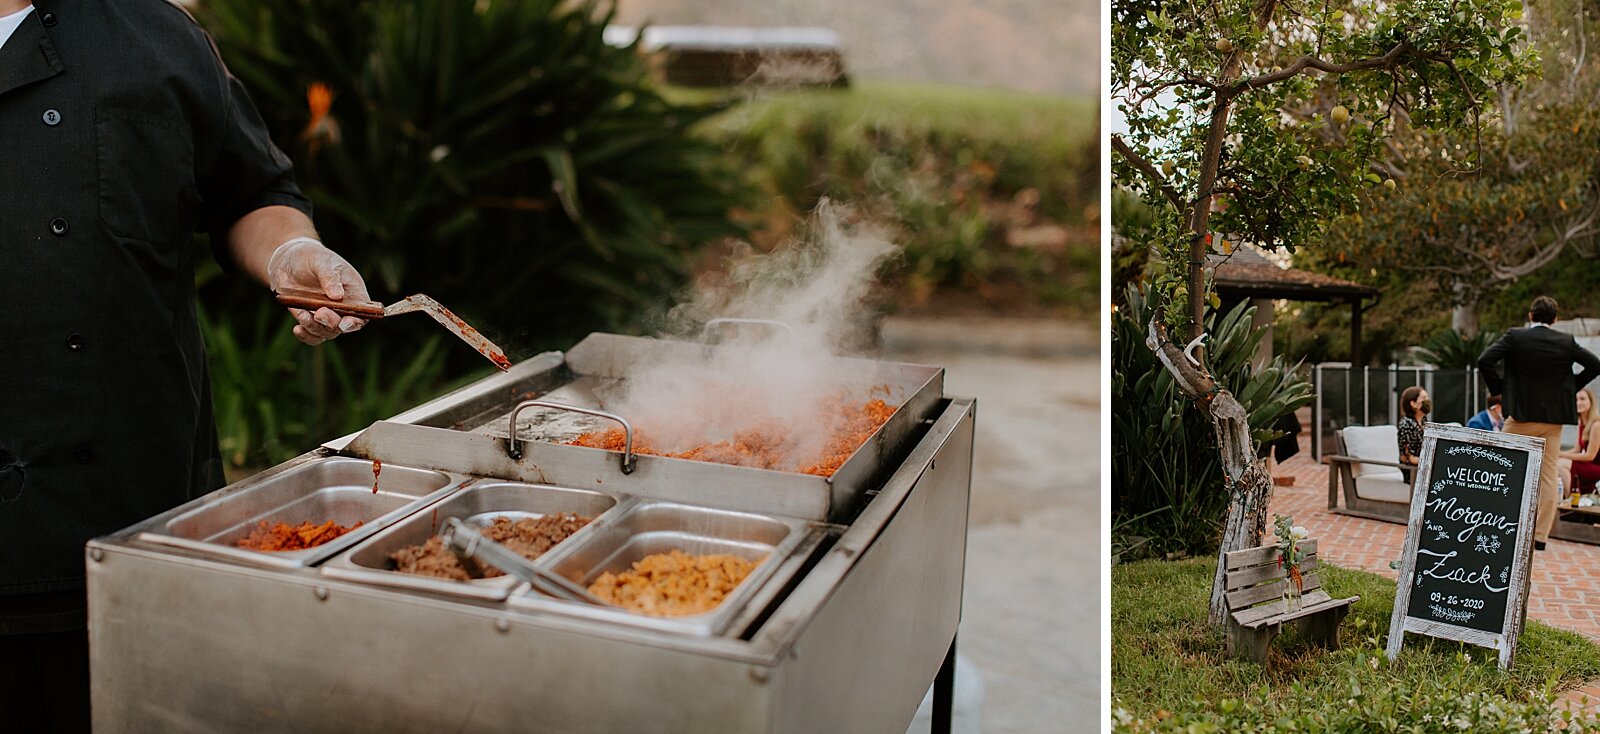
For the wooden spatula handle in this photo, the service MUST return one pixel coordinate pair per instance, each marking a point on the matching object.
(312, 301)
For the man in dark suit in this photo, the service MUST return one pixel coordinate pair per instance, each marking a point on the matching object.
(1537, 392)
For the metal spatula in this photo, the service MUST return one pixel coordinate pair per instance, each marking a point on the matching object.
(312, 301)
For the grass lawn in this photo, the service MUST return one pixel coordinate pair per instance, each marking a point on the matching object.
(980, 113)
(976, 109)
(1169, 670)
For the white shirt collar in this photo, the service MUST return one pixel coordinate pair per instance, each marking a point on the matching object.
(10, 23)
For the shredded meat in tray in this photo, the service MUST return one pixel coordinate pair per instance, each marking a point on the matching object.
(529, 537)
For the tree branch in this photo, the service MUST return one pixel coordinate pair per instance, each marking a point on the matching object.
(1191, 380)
(1579, 227)
(1303, 63)
(1155, 88)
(1477, 125)
(1137, 161)
(1583, 50)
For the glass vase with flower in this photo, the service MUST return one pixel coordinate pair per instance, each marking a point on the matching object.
(1290, 556)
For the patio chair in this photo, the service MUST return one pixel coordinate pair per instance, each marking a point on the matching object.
(1367, 471)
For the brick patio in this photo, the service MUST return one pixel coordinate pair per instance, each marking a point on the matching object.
(1566, 585)
(1566, 576)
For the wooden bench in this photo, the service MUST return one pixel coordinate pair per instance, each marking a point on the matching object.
(1256, 609)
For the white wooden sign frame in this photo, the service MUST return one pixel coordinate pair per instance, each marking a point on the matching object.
(1517, 596)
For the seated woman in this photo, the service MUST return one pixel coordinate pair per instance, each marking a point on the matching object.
(1414, 408)
(1579, 467)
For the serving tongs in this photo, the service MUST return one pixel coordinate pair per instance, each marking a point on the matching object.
(470, 547)
(312, 301)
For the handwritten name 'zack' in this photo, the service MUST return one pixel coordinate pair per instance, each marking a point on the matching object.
(1459, 575)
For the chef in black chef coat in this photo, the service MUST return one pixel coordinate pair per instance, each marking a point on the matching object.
(121, 134)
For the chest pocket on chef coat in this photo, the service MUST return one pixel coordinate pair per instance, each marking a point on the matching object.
(147, 184)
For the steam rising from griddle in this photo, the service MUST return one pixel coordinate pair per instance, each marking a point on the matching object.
(770, 380)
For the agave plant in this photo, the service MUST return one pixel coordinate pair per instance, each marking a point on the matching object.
(1450, 350)
(1167, 484)
(495, 154)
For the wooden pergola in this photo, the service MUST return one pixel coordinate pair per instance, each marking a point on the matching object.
(1245, 274)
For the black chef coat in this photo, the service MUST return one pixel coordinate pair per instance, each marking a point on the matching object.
(121, 134)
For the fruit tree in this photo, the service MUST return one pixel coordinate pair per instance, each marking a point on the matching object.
(1267, 119)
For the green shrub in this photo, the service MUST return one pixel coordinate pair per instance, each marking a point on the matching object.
(275, 398)
(950, 170)
(1166, 482)
(1425, 705)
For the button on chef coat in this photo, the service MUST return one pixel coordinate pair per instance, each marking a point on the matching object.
(122, 135)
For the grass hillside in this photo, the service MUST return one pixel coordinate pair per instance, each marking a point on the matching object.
(993, 193)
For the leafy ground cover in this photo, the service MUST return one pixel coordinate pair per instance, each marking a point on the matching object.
(994, 194)
(1171, 672)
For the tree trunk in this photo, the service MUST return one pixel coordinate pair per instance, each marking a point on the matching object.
(1248, 482)
(1206, 176)
(1199, 223)
(1464, 319)
(1464, 315)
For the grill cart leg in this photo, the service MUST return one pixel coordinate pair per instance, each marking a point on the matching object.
(944, 692)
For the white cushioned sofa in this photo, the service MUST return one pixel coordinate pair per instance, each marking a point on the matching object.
(1365, 474)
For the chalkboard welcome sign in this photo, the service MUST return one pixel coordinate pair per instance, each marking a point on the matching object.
(1464, 574)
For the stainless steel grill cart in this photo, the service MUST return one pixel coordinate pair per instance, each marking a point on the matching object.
(849, 617)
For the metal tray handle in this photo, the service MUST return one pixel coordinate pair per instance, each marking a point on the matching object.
(514, 447)
(714, 324)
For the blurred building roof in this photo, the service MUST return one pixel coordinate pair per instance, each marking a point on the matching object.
(726, 56)
(1247, 273)
(721, 38)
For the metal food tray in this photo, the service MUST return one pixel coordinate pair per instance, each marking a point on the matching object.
(466, 431)
(849, 640)
(478, 504)
(318, 490)
(656, 527)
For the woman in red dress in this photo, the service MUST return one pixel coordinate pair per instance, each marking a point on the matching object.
(1580, 466)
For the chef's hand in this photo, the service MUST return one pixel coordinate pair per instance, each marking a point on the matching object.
(306, 264)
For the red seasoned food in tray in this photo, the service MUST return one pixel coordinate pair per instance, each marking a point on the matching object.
(849, 425)
(281, 537)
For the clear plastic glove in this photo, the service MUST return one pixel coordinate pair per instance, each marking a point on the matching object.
(307, 264)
